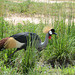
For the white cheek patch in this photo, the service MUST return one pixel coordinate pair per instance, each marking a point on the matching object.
(50, 32)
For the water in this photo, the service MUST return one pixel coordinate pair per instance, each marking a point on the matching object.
(20, 19)
(48, 1)
(45, 1)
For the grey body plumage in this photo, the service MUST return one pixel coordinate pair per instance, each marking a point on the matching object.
(22, 40)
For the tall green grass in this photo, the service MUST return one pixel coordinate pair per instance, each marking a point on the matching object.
(60, 48)
(1, 19)
(1, 27)
(59, 51)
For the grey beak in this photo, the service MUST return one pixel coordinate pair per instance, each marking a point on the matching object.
(55, 33)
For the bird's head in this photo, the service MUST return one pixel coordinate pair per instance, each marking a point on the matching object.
(50, 31)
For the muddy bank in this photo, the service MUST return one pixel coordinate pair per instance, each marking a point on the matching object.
(15, 19)
(46, 1)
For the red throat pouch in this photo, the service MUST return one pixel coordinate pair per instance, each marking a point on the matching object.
(49, 37)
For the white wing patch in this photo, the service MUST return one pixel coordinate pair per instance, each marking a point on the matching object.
(18, 44)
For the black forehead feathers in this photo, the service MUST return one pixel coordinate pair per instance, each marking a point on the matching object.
(53, 30)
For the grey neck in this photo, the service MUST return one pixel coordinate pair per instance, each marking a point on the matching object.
(43, 44)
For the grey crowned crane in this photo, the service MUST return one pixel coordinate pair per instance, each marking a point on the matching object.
(20, 40)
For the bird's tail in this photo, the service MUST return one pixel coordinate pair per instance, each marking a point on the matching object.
(2, 43)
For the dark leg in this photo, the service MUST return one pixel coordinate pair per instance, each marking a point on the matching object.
(23, 47)
(13, 53)
(2, 49)
(9, 57)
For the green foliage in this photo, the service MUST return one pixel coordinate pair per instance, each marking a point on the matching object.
(30, 8)
(45, 69)
(18, 8)
(60, 51)
(1, 27)
(69, 71)
(1, 7)
(29, 59)
(61, 46)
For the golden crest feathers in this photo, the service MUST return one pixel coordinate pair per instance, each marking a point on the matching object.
(46, 29)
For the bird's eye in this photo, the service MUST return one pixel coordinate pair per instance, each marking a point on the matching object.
(50, 32)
